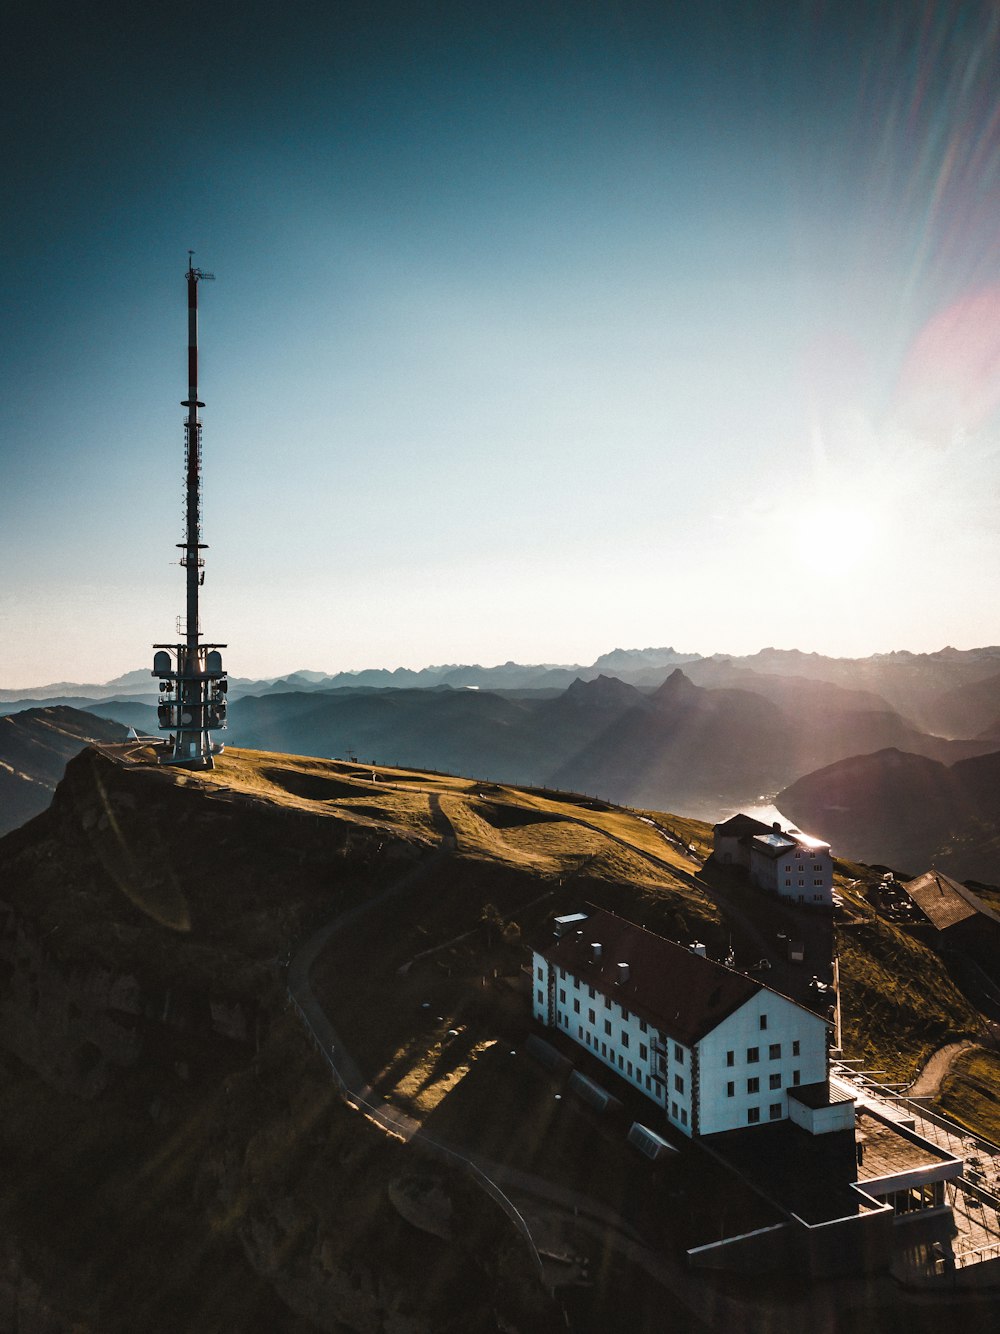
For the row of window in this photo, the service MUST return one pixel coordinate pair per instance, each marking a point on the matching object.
(753, 1113)
(773, 1052)
(753, 1084)
(626, 1067)
(816, 867)
(820, 882)
(575, 983)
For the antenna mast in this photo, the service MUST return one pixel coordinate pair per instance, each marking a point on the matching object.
(192, 699)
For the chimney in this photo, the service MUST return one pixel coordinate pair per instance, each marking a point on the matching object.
(595, 951)
(622, 973)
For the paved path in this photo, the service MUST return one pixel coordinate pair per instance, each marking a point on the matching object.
(928, 1082)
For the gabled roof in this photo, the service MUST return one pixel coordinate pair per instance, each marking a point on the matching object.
(676, 990)
(739, 826)
(944, 902)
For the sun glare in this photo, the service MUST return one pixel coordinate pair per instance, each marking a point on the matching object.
(835, 538)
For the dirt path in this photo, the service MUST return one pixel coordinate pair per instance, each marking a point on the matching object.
(929, 1080)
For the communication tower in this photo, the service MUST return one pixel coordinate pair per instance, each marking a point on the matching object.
(193, 683)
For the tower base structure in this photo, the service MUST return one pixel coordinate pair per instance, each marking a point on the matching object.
(192, 704)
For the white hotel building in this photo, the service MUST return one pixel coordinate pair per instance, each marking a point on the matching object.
(715, 1049)
(791, 864)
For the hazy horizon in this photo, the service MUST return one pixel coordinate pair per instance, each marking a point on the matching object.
(537, 328)
(566, 663)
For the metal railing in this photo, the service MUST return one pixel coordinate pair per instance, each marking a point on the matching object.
(978, 1255)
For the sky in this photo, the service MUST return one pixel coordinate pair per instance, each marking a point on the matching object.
(538, 329)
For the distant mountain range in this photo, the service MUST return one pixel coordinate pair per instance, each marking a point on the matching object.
(664, 730)
(947, 692)
(35, 746)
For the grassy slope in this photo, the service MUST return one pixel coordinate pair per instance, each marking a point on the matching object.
(898, 1005)
(969, 1092)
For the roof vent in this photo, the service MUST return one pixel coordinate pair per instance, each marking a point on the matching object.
(595, 951)
(622, 973)
(776, 826)
(698, 948)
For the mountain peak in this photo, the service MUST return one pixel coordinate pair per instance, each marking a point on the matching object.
(677, 688)
(602, 692)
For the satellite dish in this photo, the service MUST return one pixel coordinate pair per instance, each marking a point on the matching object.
(161, 663)
(213, 663)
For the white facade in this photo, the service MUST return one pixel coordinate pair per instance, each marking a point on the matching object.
(730, 1074)
(754, 1057)
(794, 866)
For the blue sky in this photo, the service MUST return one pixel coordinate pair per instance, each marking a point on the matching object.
(538, 329)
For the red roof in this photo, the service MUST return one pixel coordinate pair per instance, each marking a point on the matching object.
(682, 993)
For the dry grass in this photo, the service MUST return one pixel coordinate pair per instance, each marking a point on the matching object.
(970, 1093)
(898, 1002)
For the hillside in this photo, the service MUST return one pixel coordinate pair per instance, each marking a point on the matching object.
(35, 746)
(161, 1098)
(906, 811)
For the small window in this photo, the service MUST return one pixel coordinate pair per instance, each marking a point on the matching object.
(579, 1031)
(541, 997)
(730, 1090)
(628, 1067)
(586, 1038)
(802, 882)
(591, 992)
(673, 1110)
(775, 1111)
(788, 882)
(753, 1085)
(643, 1026)
(796, 1076)
(774, 1051)
(604, 1049)
(607, 1027)
(659, 1088)
(753, 1115)
(576, 1006)
(643, 1052)
(607, 1002)
(763, 1022)
(541, 974)
(562, 995)
(818, 881)
(678, 1054)
(795, 1047)
(730, 1058)
(621, 1061)
(684, 1116)
(753, 1054)
(775, 1082)
(624, 1038)
(678, 1083)
(624, 1015)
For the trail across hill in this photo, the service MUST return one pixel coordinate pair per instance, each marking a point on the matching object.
(929, 1080)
